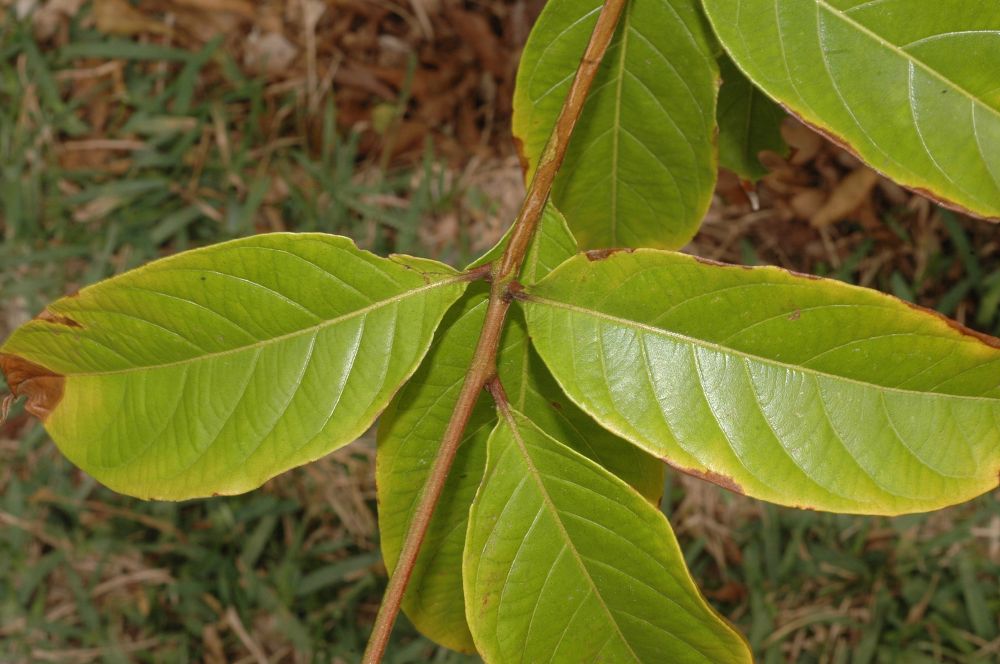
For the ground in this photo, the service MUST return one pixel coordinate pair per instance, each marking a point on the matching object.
(129, 131)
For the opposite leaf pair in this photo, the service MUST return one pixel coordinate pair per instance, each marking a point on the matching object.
(819, 395)
(212, 371)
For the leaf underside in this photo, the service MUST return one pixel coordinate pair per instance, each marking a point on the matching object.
(565, 563)
(797, 390)
(909, 85)
(211, 371)
(642, 151)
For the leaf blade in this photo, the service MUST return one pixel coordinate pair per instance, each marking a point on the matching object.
(234, 362)
(749, 123)
(408, 436)
(634, 159)
(798, 399)
(593, 570)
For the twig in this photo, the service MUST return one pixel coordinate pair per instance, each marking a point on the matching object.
(483, 366)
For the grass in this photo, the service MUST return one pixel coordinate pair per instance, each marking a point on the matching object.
(190, 151)
(809, 587)
(93, 576)
(114, 152)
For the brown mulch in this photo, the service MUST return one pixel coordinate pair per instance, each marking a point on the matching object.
(450, 63)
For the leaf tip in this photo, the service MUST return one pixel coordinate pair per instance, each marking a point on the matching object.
(42, 387)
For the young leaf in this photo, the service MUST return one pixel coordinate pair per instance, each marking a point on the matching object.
(749, 123)
(793, 389)
(565, 563)
(642, 150)
(211, 371)
(411, 431)
(910, 85)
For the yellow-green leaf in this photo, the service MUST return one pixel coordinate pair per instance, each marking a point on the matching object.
(211, 371)
(641, 165)
(564, 562)
(910, 85)
(797, 390)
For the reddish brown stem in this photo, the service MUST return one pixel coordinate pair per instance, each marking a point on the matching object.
(483, 367)
(555, 149)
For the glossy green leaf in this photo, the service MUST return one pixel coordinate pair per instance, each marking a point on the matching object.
(798, 390)
(211, 371)
(564, 562)
(411, 431)
(749, 123)
(910, 85)
(641, 168)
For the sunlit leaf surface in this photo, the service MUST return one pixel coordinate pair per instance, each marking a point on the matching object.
(211, 371)
(802, 391)
(565, 563)
(412, 428)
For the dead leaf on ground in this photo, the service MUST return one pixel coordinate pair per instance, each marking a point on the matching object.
(118, 17)
(268, 53)
(849, 195)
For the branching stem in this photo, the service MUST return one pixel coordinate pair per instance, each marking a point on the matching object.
(483, 367)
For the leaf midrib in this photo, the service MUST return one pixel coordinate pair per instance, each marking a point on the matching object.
(833, 11)
(616, 134)
(708, 345)
(263, 343)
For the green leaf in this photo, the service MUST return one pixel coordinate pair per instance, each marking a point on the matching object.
(411, 430)
(409, 434)
(910, 85)
(641, 168)
(214, 370)
(749, 123)
(565, 563)
(797, 390)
